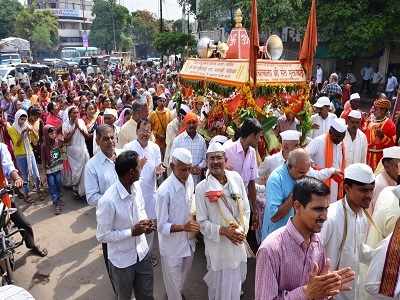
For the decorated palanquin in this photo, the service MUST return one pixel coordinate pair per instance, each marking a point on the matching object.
(280, 86)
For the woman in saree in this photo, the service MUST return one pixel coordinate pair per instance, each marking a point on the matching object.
(92, 121)
(75, 132)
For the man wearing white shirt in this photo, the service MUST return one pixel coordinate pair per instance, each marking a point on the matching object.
(223, 211)
(150, 153)
(355, 142)
(319, 76)
(100, 172)
(391, 86)
(110, 116)
(321, 121)
(176, 224)
(345, 230)
(326, 151)
(366, 73)
(382, 280)
(122, 223)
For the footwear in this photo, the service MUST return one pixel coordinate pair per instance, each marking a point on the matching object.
(41, 252)
(58, 209)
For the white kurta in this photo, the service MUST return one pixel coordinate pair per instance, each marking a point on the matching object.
(375, 271)
(352, 254)
(316, 149)
(355, 150)
(324, 124)
(270, 163)
(174, 203)
(148, 176)
(226, 261)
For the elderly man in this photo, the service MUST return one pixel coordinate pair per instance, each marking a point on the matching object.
(279, 200)
(327, 151)
(389, 176)
(100, 172)
(290, 141)
(355, 142)
(353, 104)
(122, 223)
(110, 116)
(176, 224)
(278, 276)
(286, 122)
(346, 227)
(223, 211)
(332, 89)
(195, 143)
(380, 132)
(322, 120)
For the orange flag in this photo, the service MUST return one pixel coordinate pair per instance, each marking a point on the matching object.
(254, 43)
(310, 42)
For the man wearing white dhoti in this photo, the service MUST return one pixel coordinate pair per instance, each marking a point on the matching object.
(176, 224)
(223, 211)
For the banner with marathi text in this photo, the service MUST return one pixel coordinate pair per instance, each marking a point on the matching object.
(235, 72)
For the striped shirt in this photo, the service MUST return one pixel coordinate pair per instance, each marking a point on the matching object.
(284, 264)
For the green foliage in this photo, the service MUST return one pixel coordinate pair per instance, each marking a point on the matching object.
(102, 30)
(40, 27)
(144, 27)
(9, 10)
(172, 42)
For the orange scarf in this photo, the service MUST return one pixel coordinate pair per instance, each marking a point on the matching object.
(329, 164)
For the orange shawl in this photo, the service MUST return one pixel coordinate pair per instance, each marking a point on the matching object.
(329, 164)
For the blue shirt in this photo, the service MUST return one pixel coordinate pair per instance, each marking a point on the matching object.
(279, 186)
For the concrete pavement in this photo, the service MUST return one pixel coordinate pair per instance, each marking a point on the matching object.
(74, 267)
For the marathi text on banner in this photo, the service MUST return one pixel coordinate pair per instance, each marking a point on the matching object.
(279, 71)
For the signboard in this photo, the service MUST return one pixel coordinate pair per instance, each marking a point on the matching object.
(269, 71)
(67, 13)
(235, 72)
(85, 39)
(229, 72)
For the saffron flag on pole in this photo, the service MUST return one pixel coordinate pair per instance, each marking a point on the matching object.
(254, 44)
(310, 42)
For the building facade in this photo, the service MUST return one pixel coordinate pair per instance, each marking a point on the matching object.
(74, 19)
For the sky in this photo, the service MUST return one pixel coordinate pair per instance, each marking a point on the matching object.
(171, 8)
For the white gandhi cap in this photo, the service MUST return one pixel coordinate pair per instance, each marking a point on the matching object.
(183, 155)
(356, 114)
(215, 147)
(355, 96)
(111, 111)
(392, 152)
(339, 125)
(290, 135)
(219, 139)
(322, 101)
(360, 173)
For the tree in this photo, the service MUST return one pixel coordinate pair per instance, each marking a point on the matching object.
(168, 43)
(144, 27)
(109, 18)
(40, 27)
(9, 9)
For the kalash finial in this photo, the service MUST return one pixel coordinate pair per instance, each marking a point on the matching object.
(238, 18)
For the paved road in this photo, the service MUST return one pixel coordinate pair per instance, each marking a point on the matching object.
(74, 268)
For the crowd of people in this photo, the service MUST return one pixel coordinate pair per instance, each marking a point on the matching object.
(320, 216)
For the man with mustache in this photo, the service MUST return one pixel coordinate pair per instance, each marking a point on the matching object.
(277, 274)
(223, 212)
(344, 233)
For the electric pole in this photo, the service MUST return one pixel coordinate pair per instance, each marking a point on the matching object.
(161, 19)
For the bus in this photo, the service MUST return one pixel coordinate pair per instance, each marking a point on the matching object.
(74, 53)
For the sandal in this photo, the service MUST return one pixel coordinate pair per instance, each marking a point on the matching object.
(58, 210)
(41, 252)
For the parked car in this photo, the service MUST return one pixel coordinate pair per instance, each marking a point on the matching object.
(7, 74)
